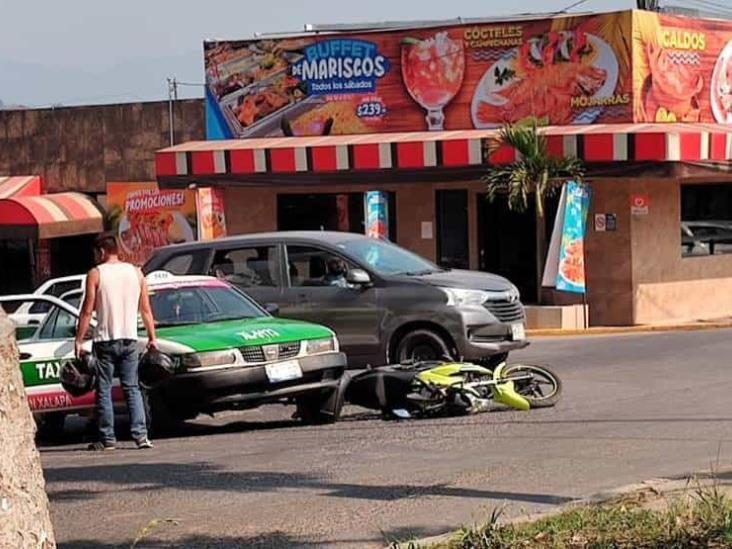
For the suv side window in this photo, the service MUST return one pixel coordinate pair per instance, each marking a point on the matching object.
(192, 262)
(254, 266)
(309, 266)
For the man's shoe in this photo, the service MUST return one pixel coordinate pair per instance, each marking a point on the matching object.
(101, 446)
(144, 444)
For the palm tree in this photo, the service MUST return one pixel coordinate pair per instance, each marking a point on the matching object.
(534, 172)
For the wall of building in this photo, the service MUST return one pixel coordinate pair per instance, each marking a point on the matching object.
(254, 209)
(666, 286)
(81, 148)
(635, 274)
(609, 267)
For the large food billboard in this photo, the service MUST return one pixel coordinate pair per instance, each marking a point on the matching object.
(682, 69)
(565, 70)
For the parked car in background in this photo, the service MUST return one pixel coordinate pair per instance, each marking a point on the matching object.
(229, 353)
(385, 303)
(29, 315)
(706, 237)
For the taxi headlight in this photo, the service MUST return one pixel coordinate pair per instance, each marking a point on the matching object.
(208, 359)
(322, 345)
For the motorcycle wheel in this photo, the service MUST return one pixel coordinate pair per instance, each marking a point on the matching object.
(543, 390)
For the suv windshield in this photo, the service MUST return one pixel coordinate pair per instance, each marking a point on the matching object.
(200, 304)
(385, 258)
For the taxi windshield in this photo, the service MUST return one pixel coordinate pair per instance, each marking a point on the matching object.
(177, 306)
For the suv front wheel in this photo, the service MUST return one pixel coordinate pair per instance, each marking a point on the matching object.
(422, 345)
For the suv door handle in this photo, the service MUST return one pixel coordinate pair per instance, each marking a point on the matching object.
(25, 356)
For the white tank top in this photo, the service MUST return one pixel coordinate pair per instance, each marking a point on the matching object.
(118, 300)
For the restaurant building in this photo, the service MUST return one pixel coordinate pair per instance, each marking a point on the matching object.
(300, 127)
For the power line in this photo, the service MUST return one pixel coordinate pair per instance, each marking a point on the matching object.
(572, 6)
(711, 7)
(723, 7)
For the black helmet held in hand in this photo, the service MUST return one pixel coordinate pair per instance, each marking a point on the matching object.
(155, 368)
(79, 376)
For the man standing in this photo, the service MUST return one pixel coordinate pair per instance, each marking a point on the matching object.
(116, 291)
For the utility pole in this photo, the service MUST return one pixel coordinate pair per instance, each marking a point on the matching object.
(172, 96)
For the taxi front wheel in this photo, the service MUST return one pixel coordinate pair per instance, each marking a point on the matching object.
(160, 418)
(319, 408)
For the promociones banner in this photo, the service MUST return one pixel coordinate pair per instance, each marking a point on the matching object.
(682, 69)
(563, 70)
(145, 217)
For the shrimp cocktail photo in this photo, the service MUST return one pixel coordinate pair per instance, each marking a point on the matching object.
(432, 71)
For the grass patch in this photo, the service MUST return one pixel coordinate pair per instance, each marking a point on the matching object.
(699, 518)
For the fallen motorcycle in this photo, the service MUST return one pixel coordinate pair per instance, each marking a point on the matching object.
(432, 389)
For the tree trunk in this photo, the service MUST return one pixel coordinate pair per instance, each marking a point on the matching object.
(540, 251)
(24, 517)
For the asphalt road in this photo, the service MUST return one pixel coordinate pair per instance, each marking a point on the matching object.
(635, 407)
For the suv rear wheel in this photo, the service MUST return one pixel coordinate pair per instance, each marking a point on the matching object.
(422, 344)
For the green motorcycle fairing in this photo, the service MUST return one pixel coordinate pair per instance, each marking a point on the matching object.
(449, 374)
(505, 392)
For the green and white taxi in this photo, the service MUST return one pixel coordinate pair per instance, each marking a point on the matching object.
(230, 353)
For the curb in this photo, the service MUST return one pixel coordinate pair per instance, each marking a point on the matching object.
(617, 330)
(659, 486)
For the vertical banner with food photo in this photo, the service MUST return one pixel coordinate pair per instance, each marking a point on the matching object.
(145, 217)
(571, 275)
(562, 70)
(682, 69)
(376, 204)
(211, 216)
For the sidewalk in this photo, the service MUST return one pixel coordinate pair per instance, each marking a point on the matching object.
(610, 330)
(653, 494)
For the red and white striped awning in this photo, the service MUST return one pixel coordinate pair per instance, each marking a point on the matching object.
(49, 216)
(600, 143)
(23, 185)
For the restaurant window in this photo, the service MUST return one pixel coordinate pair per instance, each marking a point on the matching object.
(706, 219)
(328, 212)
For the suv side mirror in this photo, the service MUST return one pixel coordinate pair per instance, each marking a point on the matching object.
(358, 277)
(272, 308)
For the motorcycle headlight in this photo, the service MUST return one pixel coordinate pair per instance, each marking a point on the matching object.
(322, 345)
(208, 359)
(457, 297)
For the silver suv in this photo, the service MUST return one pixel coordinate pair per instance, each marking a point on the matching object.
(385, 303)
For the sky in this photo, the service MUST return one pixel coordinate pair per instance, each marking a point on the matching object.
(75, 52)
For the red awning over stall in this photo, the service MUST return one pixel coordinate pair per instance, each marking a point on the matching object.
(23, 185)
(451, 149)
(49, 216)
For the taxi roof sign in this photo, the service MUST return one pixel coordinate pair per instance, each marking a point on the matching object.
(160, 276)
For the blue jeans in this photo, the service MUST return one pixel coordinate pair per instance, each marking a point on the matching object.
(118, 356)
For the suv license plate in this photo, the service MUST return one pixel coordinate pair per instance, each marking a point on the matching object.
(283, 371)
(517, 332)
